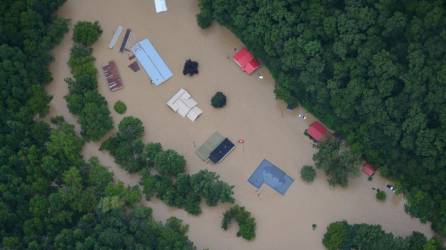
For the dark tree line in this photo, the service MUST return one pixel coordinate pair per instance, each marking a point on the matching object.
(50, 198)
(83, 99)
(374, 71)
(341, 235)
(164, 171)
(165, 177)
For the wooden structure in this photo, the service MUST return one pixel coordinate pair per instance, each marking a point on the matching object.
(111, 74)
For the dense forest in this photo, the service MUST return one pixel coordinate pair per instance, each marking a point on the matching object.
(374, 71)
(343, 236)
(50, 198)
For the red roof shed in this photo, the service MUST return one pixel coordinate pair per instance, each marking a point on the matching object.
(368, 169)
(246, 61)
(317, 131)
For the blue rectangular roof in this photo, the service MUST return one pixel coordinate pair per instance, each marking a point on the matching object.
(151, 62)
(225, 147)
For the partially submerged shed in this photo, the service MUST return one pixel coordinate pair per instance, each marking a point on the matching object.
(317, 131)
(160, 6)
(215, 148)
(368, 169)
(246, 61)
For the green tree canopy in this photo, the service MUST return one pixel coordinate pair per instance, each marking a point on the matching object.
(341, 235)
(337, 161)
(170, 163)
(83, 99)
(247, 224)
(120, 107)
(307, 173)
(218, 100)
(86, 33)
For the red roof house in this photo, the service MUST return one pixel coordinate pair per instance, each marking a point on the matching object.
(368, 169)
(317, 131)
(246, 61)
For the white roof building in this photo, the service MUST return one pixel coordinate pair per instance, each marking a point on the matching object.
(160, 6)
(184, 105)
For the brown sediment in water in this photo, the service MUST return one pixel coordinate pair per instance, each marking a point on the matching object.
(252, 114)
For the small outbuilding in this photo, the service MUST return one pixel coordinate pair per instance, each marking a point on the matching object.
(317, 131)
(215, 148)
(221, 151)
(368, 169)
(160, 6)
(246, 61)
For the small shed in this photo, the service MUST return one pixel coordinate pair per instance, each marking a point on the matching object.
(209, 145)
(317, 131)
(246, 61)
(368, 169)
(160, 6)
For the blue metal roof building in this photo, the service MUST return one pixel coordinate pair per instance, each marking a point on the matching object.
(273, 176)
(151, 62)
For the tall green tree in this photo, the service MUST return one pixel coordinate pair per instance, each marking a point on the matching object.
(83, 99)
(341, 235)
(337, 161)
(86, 33)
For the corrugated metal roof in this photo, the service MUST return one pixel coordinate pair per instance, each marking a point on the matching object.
(151, 62)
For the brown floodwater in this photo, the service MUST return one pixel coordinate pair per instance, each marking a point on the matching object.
(253, 114)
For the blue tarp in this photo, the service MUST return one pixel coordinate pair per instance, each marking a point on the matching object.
(221, 150)
(151, 62)
(273, 176)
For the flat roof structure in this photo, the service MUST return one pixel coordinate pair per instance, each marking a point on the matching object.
(151, 62)
(160, 6)
(184, 105)
(221, 151)
(115, 37)
(272, 175)
(209, 145)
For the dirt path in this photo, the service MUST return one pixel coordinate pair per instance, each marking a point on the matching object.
(252, 113)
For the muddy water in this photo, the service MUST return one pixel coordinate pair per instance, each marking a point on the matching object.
(269, 131)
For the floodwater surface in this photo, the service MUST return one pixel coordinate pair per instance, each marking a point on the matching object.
(252, 114)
